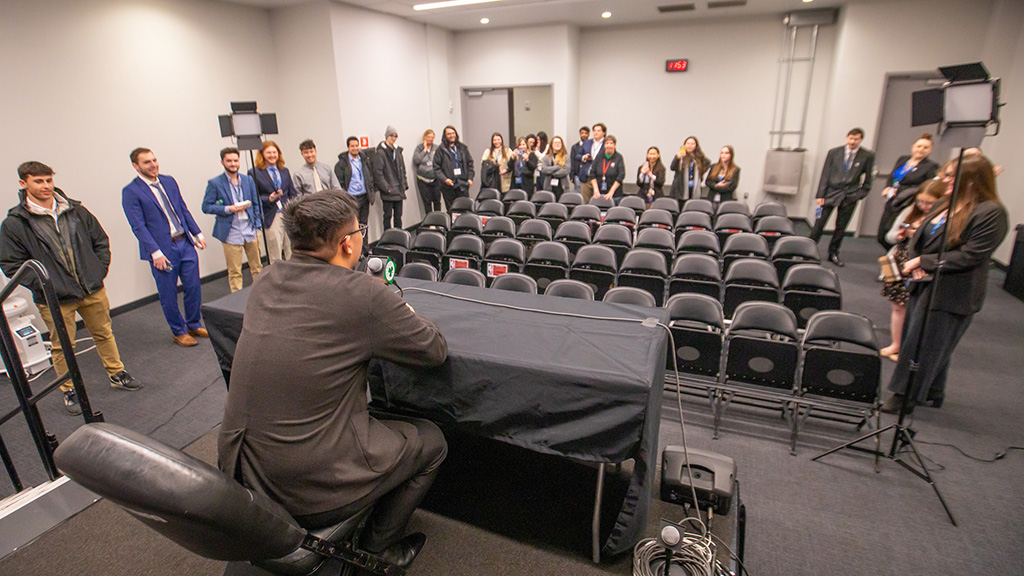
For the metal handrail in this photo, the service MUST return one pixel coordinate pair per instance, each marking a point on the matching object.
(45, 442)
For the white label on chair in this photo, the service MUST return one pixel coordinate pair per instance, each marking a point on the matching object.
(496, 269)
(454, 263)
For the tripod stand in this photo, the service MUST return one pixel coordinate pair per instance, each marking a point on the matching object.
(903, 435)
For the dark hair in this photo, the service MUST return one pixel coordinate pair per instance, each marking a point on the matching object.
(717, 168)
(229, 150)
(307, 144)
(603, 127)
(585, 129)
(137, 152)
(33, 168)
(315, 221)
(698, 156)
(444, 133)
(934, 188)
(612, 139)
(542, 139)
(856, 132)
(350, 139)
(977, 185)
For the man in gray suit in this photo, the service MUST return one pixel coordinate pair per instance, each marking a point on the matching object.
(845, 179)
(296, 425)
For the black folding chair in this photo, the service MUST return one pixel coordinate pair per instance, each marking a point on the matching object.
(655, 218)
(542, 197)
(699, 205)
(512, 196)
(566, 288)
(553, 213)
(548, 261)
(588, 214)
(773, 228)
(533, 231)
(394, 243)
(504, 255)
(617, 237)
(436, 222)
(691, 221)
(521, 211)
(620, 215)
(514, 282)
(634, 203)
(697, 324)
(696, 273)
(659, 240)
(670, 205)
(595, 265)
(699, 242)
(749, 280)
(462, 205)
(743, 245)
(465, 277)
(730, 223)
(465, 251)
(488, 194)
(419, 271)
(498, 227)
(490, 208)
(428, 247)
(571, 199)
(629, 295)
(769, 209)
(574, 235)
(792, 250)
(810, 288)
(467, 223)
(644, 269)
(732, 207)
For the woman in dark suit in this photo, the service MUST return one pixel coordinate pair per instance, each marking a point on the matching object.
(724, 176)
(522, 165)
(690, 164)
(650, 176)
(977, 225)
(274, 185)
(908, 173)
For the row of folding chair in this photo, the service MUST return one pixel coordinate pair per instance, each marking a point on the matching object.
(834, 365)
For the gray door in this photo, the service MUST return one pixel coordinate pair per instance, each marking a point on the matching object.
(484, 112)
(895, 138)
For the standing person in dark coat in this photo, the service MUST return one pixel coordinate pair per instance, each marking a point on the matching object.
(389, 177)
(608, 172)
(296, 426)
(354, 170)
(845, 179)
(724, 176)
(275, 187)
(977, 226)
(650, 176)
(590, 149)
(453, 167)
(69, 242)
(576, 162)
(908, 173)
(522, 165)
(689, 164)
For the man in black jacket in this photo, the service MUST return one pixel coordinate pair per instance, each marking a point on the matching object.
(453, 167)
(845, 180)
(67, 239)
(354, 170)
(389, 177)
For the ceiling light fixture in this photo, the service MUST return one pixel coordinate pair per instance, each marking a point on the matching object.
(606, 15)
(485, 20)
(808, 1)
(450, 4)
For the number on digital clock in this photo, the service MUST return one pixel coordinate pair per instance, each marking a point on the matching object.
(676, 65)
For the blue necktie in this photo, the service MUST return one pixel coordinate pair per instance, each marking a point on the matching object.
(276, 177)
(175, 221)
(846, 163)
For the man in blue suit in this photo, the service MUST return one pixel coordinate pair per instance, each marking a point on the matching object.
(168, 238)
(589, 150)
(231, 197)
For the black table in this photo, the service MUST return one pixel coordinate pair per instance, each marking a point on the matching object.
(583, 388)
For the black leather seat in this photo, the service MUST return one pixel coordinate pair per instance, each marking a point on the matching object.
(644, 269)
(696, 273)
(731, 223)
(490, 207)
(749, 279)
(498, 227)
(670, 205)
(603, 204)
(521, 210)
(462, 205)
(542, 197)
(617, 237)
(548, 261)
(697, 324)
(514, 282)
(634, 203)
(621, 215)
(533, 231)
(466, 223)
(732, 207)
(574, 235)
(810, 288)
(769, 209)
(699, 205)
(503, 256)
(699, 242)
(630, 295)
(428, 247)
(419, 271)
(792, 250)
(488, 194)
(655, 218)
(553, 213)
(436, 221)
(690, 221)
(512, 196)
(465, 277)
(394, 243)
(595, 266)
(588, 214)
(193, 503)
(657, 239)
(566, 288)
(464, 251)
(773, 228)
(571, 199)
(743, 245)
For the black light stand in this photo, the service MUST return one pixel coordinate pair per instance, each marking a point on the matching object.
(903, 435)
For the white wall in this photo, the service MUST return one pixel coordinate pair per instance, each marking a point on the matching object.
(87, 81)
(725, 97)
(534, 112)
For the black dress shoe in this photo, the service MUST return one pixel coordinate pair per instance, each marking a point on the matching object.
(403, 552)
(834, 258)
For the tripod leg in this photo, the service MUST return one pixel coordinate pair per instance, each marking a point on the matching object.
(851, 443)
(927, 477)
(878, 439)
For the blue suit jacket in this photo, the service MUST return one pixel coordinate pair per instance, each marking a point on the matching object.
(147, 219)
(218, 198)
(265, 187)
(584, 167)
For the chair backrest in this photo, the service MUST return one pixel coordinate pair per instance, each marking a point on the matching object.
(499, 227)
(699, 205)
(595, 257)
(467, 223)
(655, 218)
(504, 255)
(634, 203)
(573, 233)
(693, 221)
(811, 277)
(746, 243)
(488, 194)
(733, 221)
(761, 346)
(620, 215)
(419, 271)
(515, 282)
(541, 197)
(585, 213)
(696, 324)
(490, 207)
(436, 221)
(465, 277)
(774, 226)
(550, 253)
(461, 205)
(521, 210)
(630, 295)
(670, 205)
(789, 251)
(179, 496)
(752, 272)
(553, 211)
(613, 234)
(645, 262)
(840, 358)
(808, 289)
(769, 209)
(733, 207)
(534, 229)
(696, 273)
(429, 241)
(699, 242)
(465, 251)
(395, 237)
(566, 288)
(658, 239)
(514, 195)
(602, 203)
(571, 199)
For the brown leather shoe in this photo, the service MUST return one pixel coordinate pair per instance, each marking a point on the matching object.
(199, 333)
(185, 341)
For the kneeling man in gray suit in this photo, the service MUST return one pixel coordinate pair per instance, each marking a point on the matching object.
(296, 425)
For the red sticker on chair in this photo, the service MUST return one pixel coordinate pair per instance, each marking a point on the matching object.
(454, 263)
(496, 269)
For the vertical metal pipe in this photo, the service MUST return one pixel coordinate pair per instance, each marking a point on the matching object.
(778, 88)
(595, 525)
(789, 79)
(810, 78)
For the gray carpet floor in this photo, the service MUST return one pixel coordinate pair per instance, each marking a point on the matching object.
(835, 516)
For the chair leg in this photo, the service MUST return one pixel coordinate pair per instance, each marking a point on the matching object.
(720, 404)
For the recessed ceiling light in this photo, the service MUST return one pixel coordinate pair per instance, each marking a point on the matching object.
(485, 20)
(609, 14)
(808, 1)
(450, 4)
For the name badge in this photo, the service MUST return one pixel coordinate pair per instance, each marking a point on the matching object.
(604, 186)
(457, 172)
(243, 215)
(519, 179)
(554, 181)
(279, 206)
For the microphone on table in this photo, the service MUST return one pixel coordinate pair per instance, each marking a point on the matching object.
(381, 267)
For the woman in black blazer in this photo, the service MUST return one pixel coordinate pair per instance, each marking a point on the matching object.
(724, 176)
(690, 164)
(908, 173)
(977, 226)
(522, 165)
(650, 176)
(275, 187)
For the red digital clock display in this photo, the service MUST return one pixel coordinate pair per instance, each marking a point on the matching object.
(677, 65)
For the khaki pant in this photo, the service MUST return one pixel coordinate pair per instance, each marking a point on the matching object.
(233, 257)
(277, 240)
(95, 311)
(587, 189)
